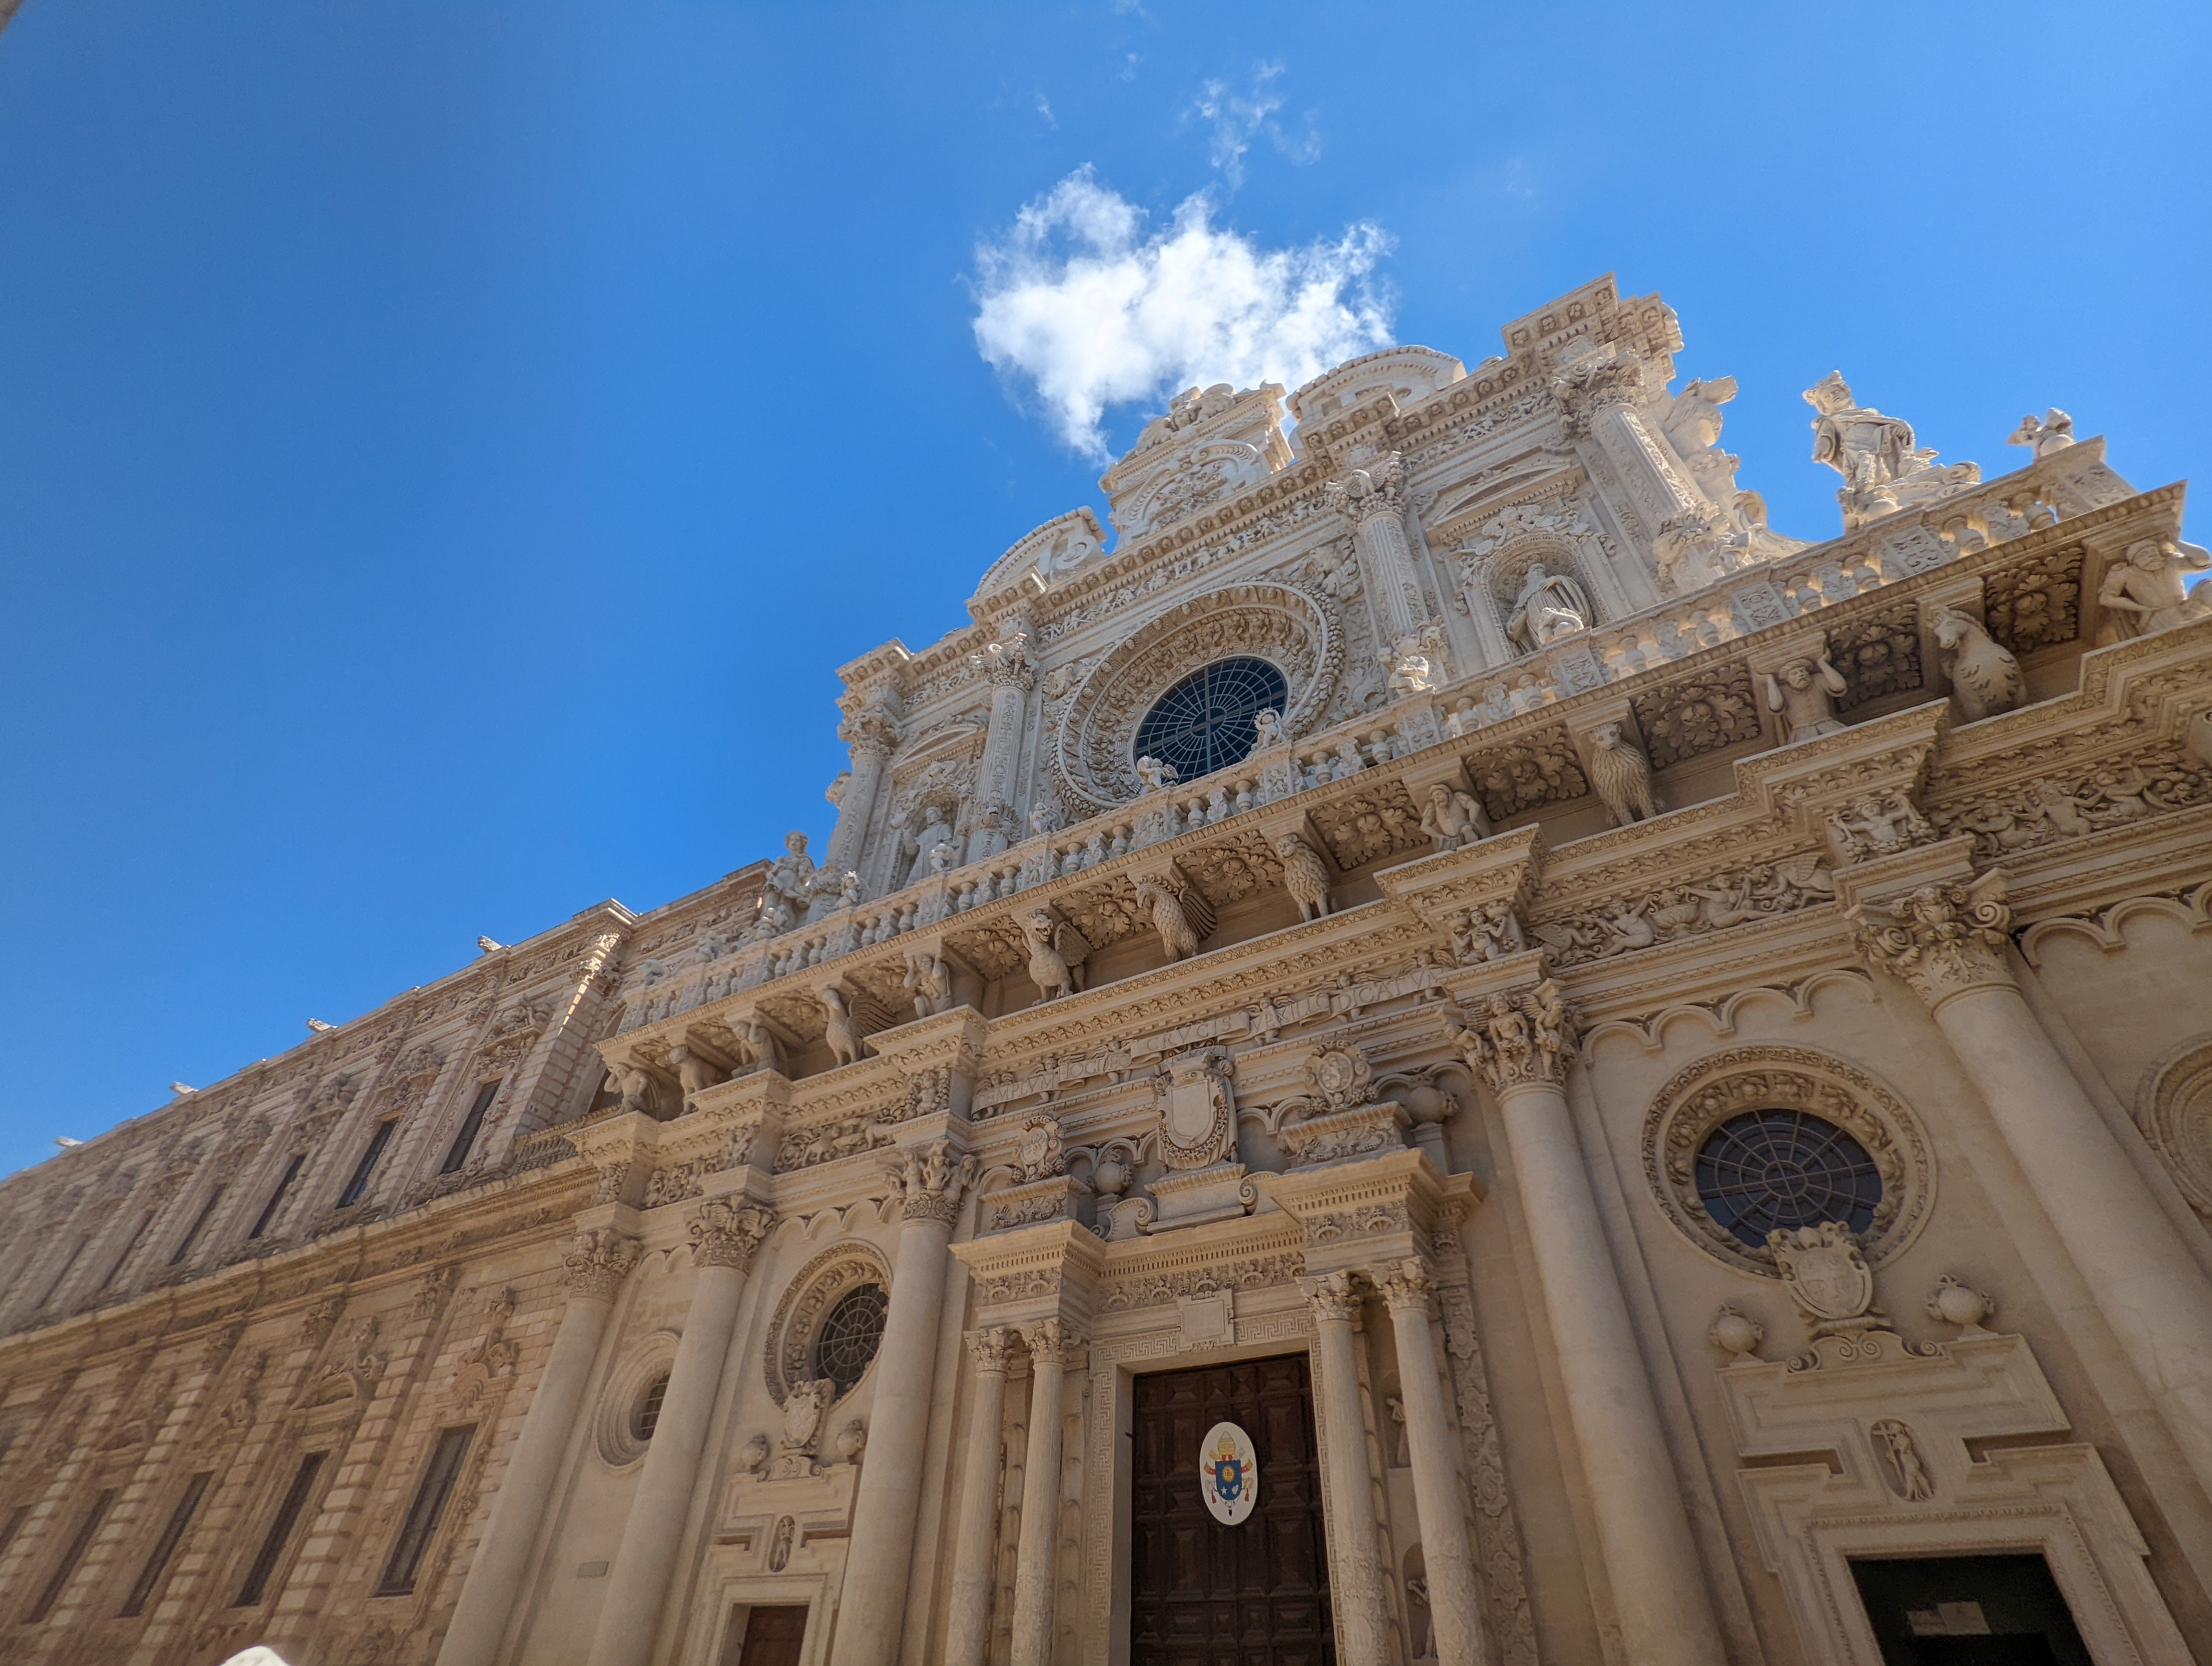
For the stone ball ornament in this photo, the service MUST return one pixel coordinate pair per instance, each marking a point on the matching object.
(1228, 1473)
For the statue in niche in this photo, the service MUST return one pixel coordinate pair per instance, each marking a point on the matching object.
(2146, 593)
(1550, 606)
(936, 830)
(1804, 693)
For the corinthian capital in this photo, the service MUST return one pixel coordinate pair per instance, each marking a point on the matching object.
(725, 1234)
(1363, 494)
(600, 1261)
(1942, 940)
(1335, 1297)
(990, 1347)
(930, 1180)
(1603, 376)
(1408, 1288)
(1519, 1039)
(870, 733)
(1054, 1341)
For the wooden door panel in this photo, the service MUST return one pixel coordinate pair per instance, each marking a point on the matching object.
(1206, 1595)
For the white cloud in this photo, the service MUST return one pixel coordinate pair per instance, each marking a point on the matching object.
(1090, 308)
(1237, 119)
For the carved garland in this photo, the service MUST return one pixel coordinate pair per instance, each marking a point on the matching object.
(807, 1302)
(1299, 633)
(1761, 1078)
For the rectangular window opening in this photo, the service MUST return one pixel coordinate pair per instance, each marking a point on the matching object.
(149, 1576)
(185, 1243)
(431, 1498)
(272, 1547)
(77, 1545)
(367, 1166)
(471, 1125)
(269, 1209)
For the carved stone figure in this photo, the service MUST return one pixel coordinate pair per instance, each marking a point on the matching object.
(1882, 470)
(1622, 776)
(1877, 825)
(1488, 930)
(1985, 678)
(790, 877)
(1268, 726)
(936, 832)
(839, 1030)
(1180, 914)
(1550, 606)
(2053, 431)
(1453, 818)
(931, 979)
(2146, 593)
(1304, 874)
(1905, 1469)
(1155, 775)
(1057, 951)
(1045, 818)
(1804, 692)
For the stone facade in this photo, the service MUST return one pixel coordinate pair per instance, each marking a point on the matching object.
(799, 1242)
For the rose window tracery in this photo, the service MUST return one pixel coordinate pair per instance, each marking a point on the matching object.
(851, 1336)
(1204, 723)
(1767, 1170)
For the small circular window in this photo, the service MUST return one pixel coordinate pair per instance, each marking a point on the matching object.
(645, 1416)
(1204, 723)
(851, 1336)
(1771, 1169)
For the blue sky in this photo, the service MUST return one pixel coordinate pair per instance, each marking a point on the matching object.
(445, 450)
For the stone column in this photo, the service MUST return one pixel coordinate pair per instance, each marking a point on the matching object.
(873, 737)
(1522, 1045)
(967, 1630)
(1361, 1609)
(1949, 941)
(724, 1236)
(1454, 1605)
(873, 1605)
(596, 1269)
(1053, 1348)
(1373, 500)
(1601, 392)
(1006, 662)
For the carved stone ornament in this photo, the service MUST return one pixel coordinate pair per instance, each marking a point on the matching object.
(1518, 1040)
(1943, 940)
(805, 1303)
(930, 1181)
(1955, 1302)
(1766, 1077)
(1736, 1334)
(1826, 1276)
(1874, 824)
(991, 1348)
(1197, 1109)
(1040, 1151)
(1408, 1291)
(804, 1410)
(600, 1262)
(1054, 1341)
(1340, 1075)
(1335, 1297)
(1903, 1470)
(725, 1234)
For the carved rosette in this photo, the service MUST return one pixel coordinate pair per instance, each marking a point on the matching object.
(1943, 940)
(1407, 1289)
(1334, 1298)
(725, 1234)
(1519, 1040)
(600, 1261)
(992, 1347)
(930, 1182)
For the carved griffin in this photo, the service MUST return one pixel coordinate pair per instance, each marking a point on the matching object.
(1057, 951)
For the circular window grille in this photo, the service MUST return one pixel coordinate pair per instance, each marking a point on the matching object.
(850, 1336)
(1204, 723)
(1770, 1169)
(645, 1418)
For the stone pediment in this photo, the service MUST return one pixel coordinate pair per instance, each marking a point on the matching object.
(1210, 445)
(1048, 553)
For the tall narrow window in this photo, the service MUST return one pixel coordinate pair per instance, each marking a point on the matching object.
(149, 1576)
(269, 1209)
(367, 1166)
(471, 1125)
(280, 1530)
(192, 1232)
(70, 1558)
(55, 1283)
(431, 1498)
(136, 1233)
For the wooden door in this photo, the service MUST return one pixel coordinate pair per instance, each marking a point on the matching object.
(771, 1637)
(1205, 1595)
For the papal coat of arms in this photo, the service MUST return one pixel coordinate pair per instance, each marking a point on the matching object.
(1228, 1473)
(1826, 1275)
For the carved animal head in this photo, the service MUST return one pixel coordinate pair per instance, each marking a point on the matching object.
(1606, 736)
(1953, 627)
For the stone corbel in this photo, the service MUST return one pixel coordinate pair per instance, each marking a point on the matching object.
(1856, 793)
(967, 981)
(1768, 656)
(950, 1042)
(1477, 880)
(1582, 726)
(1961, 595)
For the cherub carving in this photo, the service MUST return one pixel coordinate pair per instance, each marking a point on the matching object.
(1155, 775)
(2053, 431)
(1804, 692)
(792, 874)
(1268, 726)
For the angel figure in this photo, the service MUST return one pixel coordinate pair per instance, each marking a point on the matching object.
(2053, 431)
(1550, 606)
(1268, 726)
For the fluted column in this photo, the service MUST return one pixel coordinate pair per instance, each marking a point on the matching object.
(1361, 1609)
(724, 1236)
(1522, 1046)
(1601, 392)
(1053, 1348)
(597, 1267)
(1949, 941)
(967, 1629)
(1373, 500)
(873, 737)
(1454, 1605)
(1006, 662)
(873, 1606)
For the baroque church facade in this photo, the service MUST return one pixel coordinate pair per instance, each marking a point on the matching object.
(1446, 1048)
